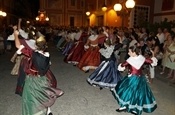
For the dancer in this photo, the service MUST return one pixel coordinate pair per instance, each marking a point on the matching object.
(133, 93)
(17, 60)
(91, 58)
(106, 75)
(77, 51)
(38, 95)
(28, 40)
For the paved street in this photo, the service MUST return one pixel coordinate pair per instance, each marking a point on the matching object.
(80, 98)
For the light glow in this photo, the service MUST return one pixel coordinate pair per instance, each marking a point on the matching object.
(130, 4)
(117, 7)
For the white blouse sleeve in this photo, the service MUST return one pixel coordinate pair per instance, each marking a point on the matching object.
(19, 50)
(154, 63)
(120, 68)
(23, 34)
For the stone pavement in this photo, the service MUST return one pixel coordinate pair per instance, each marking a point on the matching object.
(80, 98)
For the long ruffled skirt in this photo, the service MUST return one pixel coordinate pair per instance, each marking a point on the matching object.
(38, 95)
(106, 75)
(17, 62)
(90, 59)
(67, 48)
(22, 76)
(134, 93)
(75, 53)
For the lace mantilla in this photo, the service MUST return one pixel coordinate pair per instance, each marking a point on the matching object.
(107, 52)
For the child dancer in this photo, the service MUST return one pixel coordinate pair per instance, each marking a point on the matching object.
(133, 93)
(106, 75)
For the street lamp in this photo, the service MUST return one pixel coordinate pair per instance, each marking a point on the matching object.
(104, 7)
(3, 14)
(42, 16)
(37, 18)
(123, 8)
(47, 19)
(88, 13)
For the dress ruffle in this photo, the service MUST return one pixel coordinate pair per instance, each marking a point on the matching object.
(134, 93)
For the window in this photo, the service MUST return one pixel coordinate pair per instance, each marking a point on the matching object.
(72, 21)
(73, 2)
(82, 3)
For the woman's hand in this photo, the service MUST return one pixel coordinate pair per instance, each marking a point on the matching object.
(14, 28)
(19, 19)
(153, 54)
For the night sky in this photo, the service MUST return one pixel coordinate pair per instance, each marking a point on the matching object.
(26, 8)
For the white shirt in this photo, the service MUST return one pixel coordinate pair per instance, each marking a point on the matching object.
(161, 37)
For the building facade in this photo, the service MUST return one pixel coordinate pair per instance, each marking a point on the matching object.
(6, 6)
(73, 12)
(164, 9)
(65, 12)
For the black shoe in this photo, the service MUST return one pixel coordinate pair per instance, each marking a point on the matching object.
(86, 71)
(50, 113)
(121, 110)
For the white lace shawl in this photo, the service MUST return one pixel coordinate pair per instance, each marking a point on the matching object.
(93, 37)
(22, 46)
(107, 52)
(136, 62)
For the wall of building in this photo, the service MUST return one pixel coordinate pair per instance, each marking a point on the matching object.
(61, 12)
(112, 19)
(167, 12)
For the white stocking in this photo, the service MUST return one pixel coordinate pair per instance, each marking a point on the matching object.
(48, 110)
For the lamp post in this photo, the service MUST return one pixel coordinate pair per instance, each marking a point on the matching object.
(88, 13)
(104, 7)
(42, 17)
(123, 8)
(3, 14)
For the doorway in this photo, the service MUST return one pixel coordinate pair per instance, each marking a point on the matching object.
(72, 21)
(100, 20)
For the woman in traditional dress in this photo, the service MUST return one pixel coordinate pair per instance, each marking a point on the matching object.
(16, 59)
(70, 41)
(133, 93)
(91, 58)
(106, 75)
(77, 50)
(38, 95)
(27, 39)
